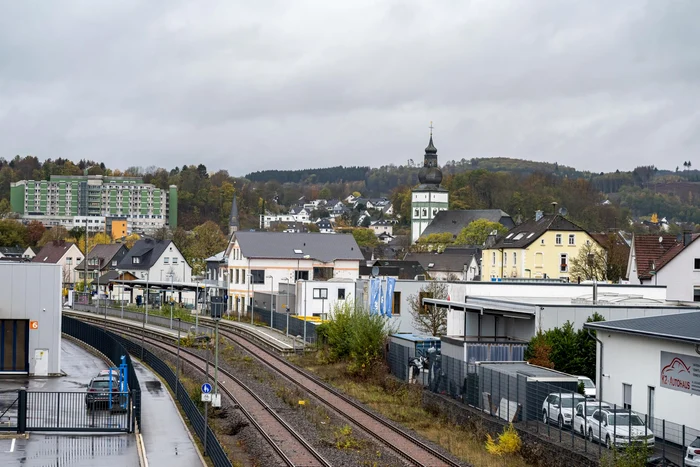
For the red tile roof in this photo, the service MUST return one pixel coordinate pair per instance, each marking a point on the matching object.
(655, 251)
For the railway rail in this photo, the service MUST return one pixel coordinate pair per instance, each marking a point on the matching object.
(405, 444)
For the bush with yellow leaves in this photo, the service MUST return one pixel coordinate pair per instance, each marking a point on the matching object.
(509, 442)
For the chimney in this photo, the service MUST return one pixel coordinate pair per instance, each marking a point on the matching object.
(687, 237)
(554, 208)
(538, 215)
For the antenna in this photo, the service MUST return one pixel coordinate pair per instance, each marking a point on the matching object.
(563, 211)
(661, 239)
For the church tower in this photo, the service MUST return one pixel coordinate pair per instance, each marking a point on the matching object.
(233, 223)
(428, 198)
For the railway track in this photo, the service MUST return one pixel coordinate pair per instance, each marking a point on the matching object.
(289, 445)
(409, 447)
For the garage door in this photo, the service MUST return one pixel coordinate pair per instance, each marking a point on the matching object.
(14, 345)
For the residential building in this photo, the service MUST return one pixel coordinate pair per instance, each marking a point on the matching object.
(382, 226)
(117, 227)
(64, 253)
(295, 215)
(540, 248)
(453, 221)
(385, 238)
(667, 260)
(456, 264)
(260, 261)
(325, 226)
(428, 198)
(59, 200)
(156, 261)
(100, 259)
(17, 253)
(651, 366)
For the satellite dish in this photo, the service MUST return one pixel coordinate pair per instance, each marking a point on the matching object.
(661, 239)
(563, 211)
(375, 271)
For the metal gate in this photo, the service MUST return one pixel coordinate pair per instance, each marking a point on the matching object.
(66, 412)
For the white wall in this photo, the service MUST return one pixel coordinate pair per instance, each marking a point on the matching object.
(680, 276)
(307, 305)
(635, 360)
(539, 290)
(32, 291)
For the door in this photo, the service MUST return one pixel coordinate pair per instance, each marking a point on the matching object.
(41, 362)
(14, 345)
(650, 409)
(627, 395)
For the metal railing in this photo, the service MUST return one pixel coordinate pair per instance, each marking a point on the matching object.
(296, 325)
(551, 410)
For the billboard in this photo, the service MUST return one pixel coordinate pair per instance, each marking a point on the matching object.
(680, 372)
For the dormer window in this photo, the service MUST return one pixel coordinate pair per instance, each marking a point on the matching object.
(135, 260)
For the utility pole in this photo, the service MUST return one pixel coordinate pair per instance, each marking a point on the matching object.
(272, 300)
(287, 303)
(85, 257)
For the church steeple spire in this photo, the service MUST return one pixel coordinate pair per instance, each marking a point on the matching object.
(233, 222)
(430, 174)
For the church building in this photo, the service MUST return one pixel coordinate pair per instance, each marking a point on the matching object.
(428, 198)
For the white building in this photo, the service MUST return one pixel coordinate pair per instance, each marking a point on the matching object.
(429, 197)
(382, 227)
(65, 254)
(259, 261)
(652, 365)
(157, 261)
(663, 260)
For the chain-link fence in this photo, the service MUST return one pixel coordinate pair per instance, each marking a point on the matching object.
(554, 410)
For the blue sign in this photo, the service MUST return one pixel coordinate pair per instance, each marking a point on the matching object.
(206, 388)
(374, 295)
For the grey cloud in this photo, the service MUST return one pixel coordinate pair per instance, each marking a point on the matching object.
(598, 85)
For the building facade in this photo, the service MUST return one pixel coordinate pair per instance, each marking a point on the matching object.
(62, 198)
(428, 198)
(540, 248)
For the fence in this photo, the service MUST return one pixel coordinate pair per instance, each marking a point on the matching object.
(279, 322)
(554, 410)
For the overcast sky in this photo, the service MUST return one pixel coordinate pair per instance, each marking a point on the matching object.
(244, 86)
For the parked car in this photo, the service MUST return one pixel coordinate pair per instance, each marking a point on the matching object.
(692, 454)
(560, 408)
(583, 411)
(589, 389)
(617, 427)
(98, 392)
(106, 373)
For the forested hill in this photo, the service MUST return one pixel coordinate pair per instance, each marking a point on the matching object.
(327, 175)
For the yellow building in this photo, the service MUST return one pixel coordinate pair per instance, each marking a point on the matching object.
(539, 248)
(116, 228)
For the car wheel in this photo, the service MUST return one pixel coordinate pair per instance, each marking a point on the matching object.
(560, 422)
(590, 435)
(608, 442)
(545, 418)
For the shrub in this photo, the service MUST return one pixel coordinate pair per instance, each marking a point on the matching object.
(509, 442)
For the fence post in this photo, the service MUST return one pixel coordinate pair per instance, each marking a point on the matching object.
(663, 434)
(22, 411)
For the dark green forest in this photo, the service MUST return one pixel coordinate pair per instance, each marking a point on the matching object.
(595, 200)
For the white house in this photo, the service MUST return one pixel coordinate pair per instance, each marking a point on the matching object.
(382, 227)
(156, 261)
(259, 261)
(663, 260)
(652, 366)
(67, 254)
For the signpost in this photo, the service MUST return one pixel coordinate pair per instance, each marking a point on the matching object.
(206, 397)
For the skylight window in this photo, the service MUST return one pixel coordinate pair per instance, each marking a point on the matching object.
(297, 251)
(531, 234)
(431, 265)
(509, 235)
(519, 236)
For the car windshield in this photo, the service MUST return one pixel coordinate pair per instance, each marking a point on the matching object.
(625, 419)
(571, 401)
(590, 408)
(696, 443)
(100, 384)
(587, 383)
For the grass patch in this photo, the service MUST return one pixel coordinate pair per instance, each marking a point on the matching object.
(402, 403)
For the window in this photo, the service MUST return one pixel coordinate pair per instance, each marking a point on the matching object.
(627, 395)
(258, 276)
(557, 239)
(424, 212)
(416, 212)
(323, 274)
(341, 294)
(174, 259)
(166, 260)
(539, 259)
(321, 294)
(238, 278)
(696, 294)
(515, 259)
(69, 261)
(650, 405)
(301, 276)
(493, 258)
(697, 263)
(396, 305)
(505, 259)
(135, 260)
(572, 239)
(564, 262)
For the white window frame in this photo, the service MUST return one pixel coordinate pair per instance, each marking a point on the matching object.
(572, 239)
(564, 259)
(557, 239)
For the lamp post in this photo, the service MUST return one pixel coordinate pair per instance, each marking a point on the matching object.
(272, 309)
(177, 367)
(145, 315)
(172, 292)
(85, 257)
(216, 355)
(121, 291)
(286, 279)
(250, 302)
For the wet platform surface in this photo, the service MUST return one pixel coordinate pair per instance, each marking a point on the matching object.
(67, 449)
(165, 435)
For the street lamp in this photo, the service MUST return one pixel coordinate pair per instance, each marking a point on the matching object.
(248, 299)
(272, 316)
(286, 279)
(172, 292)
(121, 291)
(145, 315)
(177, 367)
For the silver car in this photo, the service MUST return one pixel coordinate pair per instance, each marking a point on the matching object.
(618, 428)
(559, 407)
(583, 411)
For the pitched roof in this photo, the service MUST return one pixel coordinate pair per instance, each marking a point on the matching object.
(448, 262)
(527, 232)
(654, 251)
(219, 257)
(455, 220)
(52, 252)
(280, 245)
(147, 250)
(682, 326)
(10, 251)
(105, 252)
(387, 267)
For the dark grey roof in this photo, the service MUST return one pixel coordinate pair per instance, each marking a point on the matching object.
(105, 252)
(681, 327)
(399, 268)
(280, 245)
(454, 221)
(148, 251)
(12, 251)
(526, 369)
(449, 262)
(528, 232)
